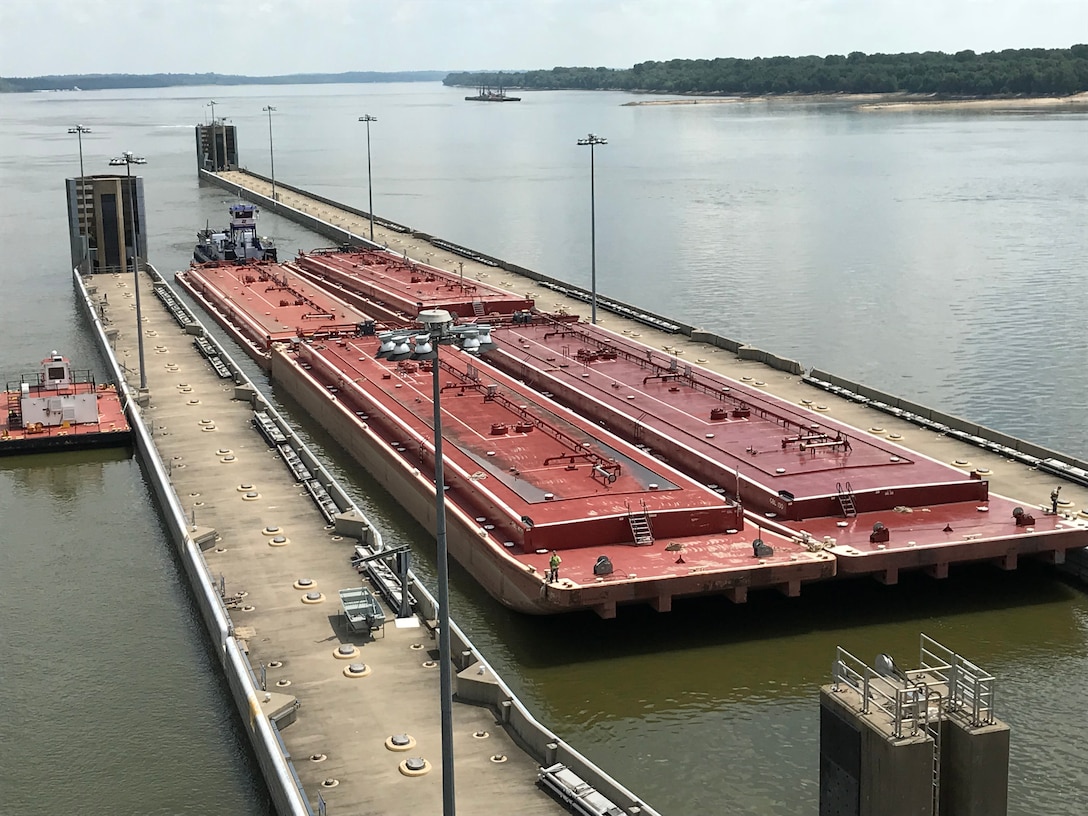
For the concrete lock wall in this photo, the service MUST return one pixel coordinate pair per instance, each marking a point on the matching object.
(974, 769)
(840, 761)
(863, 771)
(743, 351)
(896, 775)
(768, 359)
(470, 687)
(952, 421)
(280, 778)
(334, 233)
(342, 236)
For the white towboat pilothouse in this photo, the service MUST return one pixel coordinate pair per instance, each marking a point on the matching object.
(239, 242)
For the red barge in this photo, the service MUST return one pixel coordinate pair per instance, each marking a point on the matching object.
(61, 408)
(878, 506)
(652, 478)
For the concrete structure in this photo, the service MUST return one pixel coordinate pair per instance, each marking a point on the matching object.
(217, 146)
(921, 742)
(324, 706)
(98, 220)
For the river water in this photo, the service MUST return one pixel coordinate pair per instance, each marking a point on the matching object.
(936, 254)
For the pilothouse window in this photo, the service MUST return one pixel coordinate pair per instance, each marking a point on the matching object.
(55, 373)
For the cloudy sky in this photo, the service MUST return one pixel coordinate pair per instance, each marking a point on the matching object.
(263, 37)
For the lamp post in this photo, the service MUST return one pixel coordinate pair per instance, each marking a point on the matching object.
(369, 185)
(461, 273)
(79, 130)
(128, 159)
(215, 147)
(271, 154)
(472, 338)
(592, 140)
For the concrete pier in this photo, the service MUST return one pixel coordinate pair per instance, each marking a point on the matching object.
(919, 742)
(342, 700)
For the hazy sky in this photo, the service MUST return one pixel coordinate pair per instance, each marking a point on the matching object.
(262, 37)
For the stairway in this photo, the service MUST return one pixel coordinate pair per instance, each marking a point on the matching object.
(846, 500)
(15, 410)
(478, 308)
(640, 527)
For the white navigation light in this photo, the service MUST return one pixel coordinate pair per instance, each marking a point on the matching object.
(401, 345)
(386, 339)
(423, 345)
(436, 321)
(485, 337)
(470, 341)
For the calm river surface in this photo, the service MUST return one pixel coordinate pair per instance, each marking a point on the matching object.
(938, 255)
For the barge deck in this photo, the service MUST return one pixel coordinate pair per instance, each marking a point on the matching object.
(878, 506)
(522, 480)
(1026, 485)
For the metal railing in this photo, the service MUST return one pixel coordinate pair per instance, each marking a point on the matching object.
(970, 689)
(906, 707)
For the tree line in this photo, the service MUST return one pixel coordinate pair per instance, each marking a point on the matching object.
(1013, 72)
(96, 82)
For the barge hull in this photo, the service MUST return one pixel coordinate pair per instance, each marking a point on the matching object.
(513, 583)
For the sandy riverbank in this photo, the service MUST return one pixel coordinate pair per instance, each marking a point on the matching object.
(1013, 103)
(883, 102)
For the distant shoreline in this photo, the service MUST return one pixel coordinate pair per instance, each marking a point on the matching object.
(883, 102)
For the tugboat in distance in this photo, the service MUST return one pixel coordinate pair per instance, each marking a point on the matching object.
(485, 94)
(239, 242)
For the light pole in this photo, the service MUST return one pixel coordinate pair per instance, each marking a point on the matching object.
(215, 147)
(369, 185)
(79, 130)
(472, 338)
(128, 159)
(271, 154)
(592, 140)
(461, 272)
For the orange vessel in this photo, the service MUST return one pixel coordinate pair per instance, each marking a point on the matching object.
(61, 408)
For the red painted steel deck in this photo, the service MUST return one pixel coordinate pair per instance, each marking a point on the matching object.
(112, 427)
(269, 303)
(535, 477)
(526, 457)
(936, 535)
(714, 427)
(406, 286)
(689, 415)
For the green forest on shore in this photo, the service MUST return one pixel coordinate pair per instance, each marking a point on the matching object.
(1013, 72)
(97, 82)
